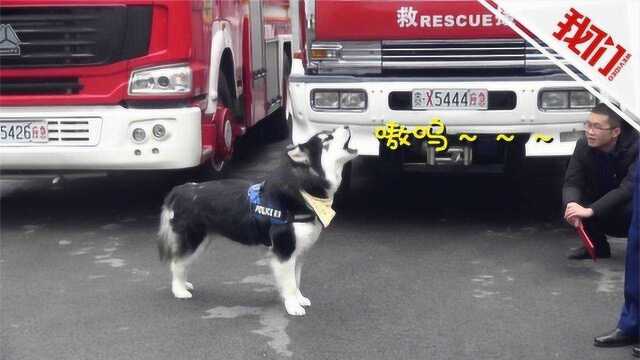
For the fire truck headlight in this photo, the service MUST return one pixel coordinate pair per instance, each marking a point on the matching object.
(353, 100)
(348, 100)
(159, 131)
(144, 83)
(554, 100)
(138, 135)
(165, 80)
(326, 99)
(582, 99)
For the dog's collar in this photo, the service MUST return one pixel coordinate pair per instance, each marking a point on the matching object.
(320, 206)
(309, 217)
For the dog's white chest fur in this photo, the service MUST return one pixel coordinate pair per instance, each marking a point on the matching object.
(306, 234)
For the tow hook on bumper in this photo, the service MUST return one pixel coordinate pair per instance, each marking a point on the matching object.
(454, 155)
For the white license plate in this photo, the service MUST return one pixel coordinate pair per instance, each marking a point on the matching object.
(450, 99)
(12, 132)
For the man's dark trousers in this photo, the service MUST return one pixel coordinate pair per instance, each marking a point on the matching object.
(615, 224)
(629, 322)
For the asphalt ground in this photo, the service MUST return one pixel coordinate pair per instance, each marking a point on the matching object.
(414, 266)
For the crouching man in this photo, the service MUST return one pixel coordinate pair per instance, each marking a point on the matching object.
(598, 184)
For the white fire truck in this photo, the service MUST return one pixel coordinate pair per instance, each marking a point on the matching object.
(366, 64)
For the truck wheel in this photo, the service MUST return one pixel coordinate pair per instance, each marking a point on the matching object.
(225, 149)
(218, 164)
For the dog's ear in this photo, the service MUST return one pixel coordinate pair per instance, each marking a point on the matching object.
(297, 154)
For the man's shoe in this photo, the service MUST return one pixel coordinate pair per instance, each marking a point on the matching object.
(579, 254)
(614, 338)
(635, 351)
(603, 252)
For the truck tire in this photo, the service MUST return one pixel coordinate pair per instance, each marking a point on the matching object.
(218, 165)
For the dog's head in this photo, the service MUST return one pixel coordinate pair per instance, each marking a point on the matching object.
(324, 155)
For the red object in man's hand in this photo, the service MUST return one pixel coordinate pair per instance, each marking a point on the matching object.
(586, 241)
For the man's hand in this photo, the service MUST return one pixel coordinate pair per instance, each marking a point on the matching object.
(575, 213)
(575, 221)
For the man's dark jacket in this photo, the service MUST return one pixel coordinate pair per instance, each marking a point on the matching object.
(583, 182)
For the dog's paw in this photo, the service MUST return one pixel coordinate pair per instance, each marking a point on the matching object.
(181, 292)
(188, 285)
(302, 300)
(293, 307)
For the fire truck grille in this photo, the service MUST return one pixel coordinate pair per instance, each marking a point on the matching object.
(40, 86)
(438, 54)
(74, 132)
(72, 36)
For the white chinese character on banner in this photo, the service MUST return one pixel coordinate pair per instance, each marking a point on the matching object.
(407, 16)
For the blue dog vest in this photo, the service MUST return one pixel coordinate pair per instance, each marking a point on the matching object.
(265, 212)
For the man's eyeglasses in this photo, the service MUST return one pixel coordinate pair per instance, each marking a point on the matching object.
(589, 126)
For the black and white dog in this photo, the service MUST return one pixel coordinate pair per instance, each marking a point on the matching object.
(286, 213)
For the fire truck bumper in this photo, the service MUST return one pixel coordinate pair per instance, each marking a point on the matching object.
(515, 111)
(102, 138)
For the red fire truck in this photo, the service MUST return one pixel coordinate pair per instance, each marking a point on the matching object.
(366, 64)
(136, 84)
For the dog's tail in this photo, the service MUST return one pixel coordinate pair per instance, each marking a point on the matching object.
(167, 238)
